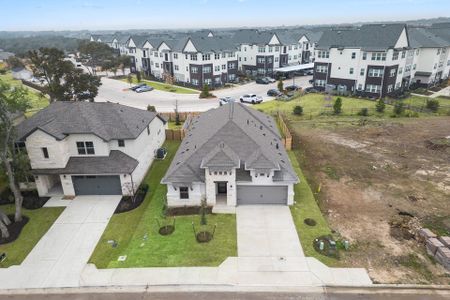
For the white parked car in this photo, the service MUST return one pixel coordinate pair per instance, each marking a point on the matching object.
(225, 100)
(251, 98)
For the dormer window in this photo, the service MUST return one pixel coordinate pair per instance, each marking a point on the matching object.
(121, 143)
(85, 148)
(45, 152)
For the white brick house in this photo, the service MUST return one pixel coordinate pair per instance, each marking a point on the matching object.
(232, 155)
(84, 148)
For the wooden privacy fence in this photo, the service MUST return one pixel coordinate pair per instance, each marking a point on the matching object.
(180, 133)
(286, 136)
(171, 116)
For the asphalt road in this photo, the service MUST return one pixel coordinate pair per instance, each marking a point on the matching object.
(316, 294)
(118, 92)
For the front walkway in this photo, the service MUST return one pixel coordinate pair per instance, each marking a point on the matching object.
(60, 256)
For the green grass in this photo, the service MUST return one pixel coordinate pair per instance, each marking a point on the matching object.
(306, 207)
(172, 125)
(177, 249)
(164, 87)
(422, 101)
(314, 104)
(40, 221)
(37, 101)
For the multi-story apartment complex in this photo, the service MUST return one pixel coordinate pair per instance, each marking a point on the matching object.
(367, 60)
(204, 57)
(381, 59)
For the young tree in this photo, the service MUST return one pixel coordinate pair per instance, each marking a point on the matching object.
(138, 76)
(64, 81)
(205, 91)
(380, 106)
(130, 78)
(298, 110)
(280, 85)
(12, 102)
(399, 108)
(337, 106)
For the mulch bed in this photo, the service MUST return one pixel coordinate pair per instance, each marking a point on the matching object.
(166, 230)
(310, 222)
(31, 199)
(204, 236)
(14, 229)
(127, 203)
(186, 210)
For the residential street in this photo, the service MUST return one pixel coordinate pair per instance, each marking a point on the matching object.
(118, 92)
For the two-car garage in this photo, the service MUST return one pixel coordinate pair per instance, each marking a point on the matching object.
(97, 185)
(262, 194)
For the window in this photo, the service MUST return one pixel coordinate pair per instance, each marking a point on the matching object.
(193, 56)
(194, 70)
(321, 69)
(184, 192)
(261, 60)
(372, 88)
(277, 48)
(379, 56)
(231, 65)
(403, 54)
(414, 65)
(392, 73)
(208, 81)
(277, 58)
(206, 57)
(400, 70)
(353, 55)
(323, 54)
(364, 57)
(156, 65)
(206, 69)
(376, 72)
(217, 68)
(121, 143)
(195, 81)
(362, 72)
(351, 71)
(176, 67)
(320, 82)
(360, 87)
(261, 49)
(231, 77)
(217, 56)
(270, 48)
(175, 56)
(148, 130)
(448, 64)
(395, 55)
(45, 152)
(224, 67)
(85, 148)
(224, 55)
(390, 88)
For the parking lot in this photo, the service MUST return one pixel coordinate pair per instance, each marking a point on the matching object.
(118, 91)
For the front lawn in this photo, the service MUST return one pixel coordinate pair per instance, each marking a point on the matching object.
(306, 207)
(164, 86)
(40, 221)
(37, 100)
(137, 232)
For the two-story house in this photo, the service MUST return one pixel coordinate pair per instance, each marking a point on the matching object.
(367, 60)
(88, 148)
(231, 155)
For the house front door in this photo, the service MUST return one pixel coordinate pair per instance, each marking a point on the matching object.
(221, 188)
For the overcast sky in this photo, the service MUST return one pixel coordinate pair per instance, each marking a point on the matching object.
(148, 14)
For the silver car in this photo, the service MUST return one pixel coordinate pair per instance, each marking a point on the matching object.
(225, 100)
(251, 98)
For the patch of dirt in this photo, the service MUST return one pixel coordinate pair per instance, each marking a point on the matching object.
(389, 181)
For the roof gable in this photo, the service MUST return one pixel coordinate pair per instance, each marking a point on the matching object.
(189, 47)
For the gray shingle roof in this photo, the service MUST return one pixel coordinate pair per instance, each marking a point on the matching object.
(109, 121)
(239, 132)
(252, 37)
(367, 37)
(425, 38)
(116, 163)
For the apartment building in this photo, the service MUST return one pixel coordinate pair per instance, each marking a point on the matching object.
(367, 60)
(431, 46)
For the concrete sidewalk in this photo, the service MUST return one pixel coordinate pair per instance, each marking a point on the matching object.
(60, 256)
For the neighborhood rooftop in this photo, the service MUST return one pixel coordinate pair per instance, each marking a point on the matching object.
(233, 136)
(108, 121)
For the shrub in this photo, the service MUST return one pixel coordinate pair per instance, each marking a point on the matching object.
(298, 110)
(411, 114)
(399, 108)
(205, 92)
(432, 104)
(280, 85)
(363, 112)
(151, 108)
(337, 106)
(380, 106)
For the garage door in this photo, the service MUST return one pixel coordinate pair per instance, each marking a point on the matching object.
(97, 185)
(256, 194)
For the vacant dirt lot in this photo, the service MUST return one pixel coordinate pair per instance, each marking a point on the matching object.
(379, 182)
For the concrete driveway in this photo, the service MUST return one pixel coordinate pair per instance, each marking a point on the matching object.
(60, 256)
(266, 231)
(118, 92)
